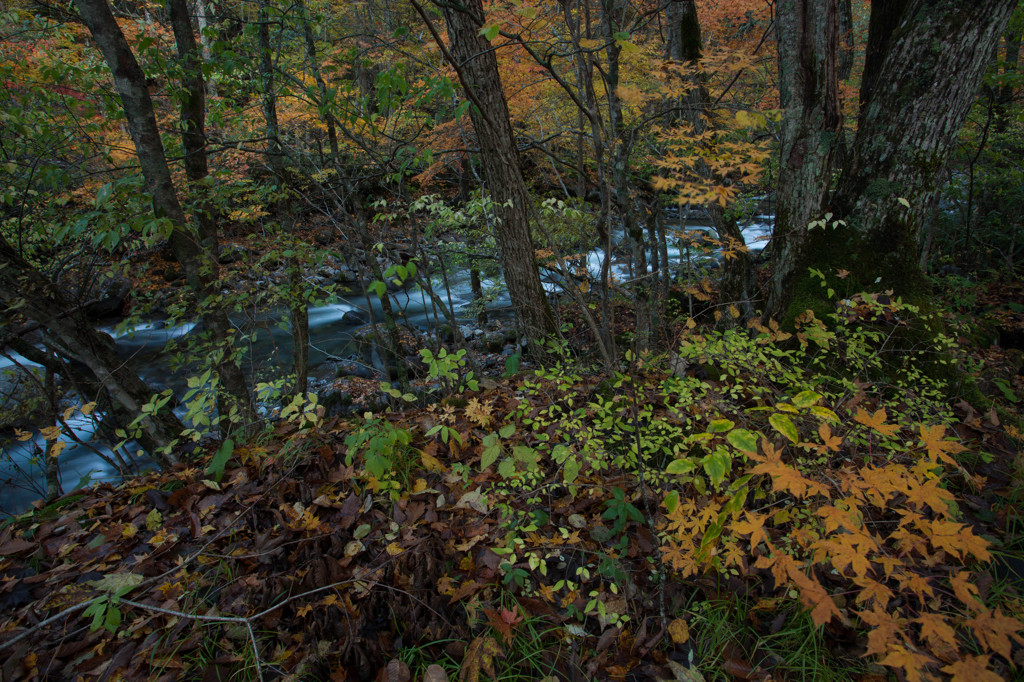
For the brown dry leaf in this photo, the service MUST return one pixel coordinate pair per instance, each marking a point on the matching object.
(435, 673)
(680, 673)
(480, 658)
(397, 671)
(478, 412)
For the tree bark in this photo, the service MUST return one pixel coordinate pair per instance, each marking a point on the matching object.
(805, 31)
(938, 53)
(621, 149)
(234, 398)
(474, 61)
(913, 105)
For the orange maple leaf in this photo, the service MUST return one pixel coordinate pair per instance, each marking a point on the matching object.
(930, 493)
(936, 632)
(972, 669)
(884, 631)
(872, 589)
(964, 590)
(913, 663)
(753, 526)
(993, 630)
(787, 478)
(504, 622)
(829, 442)
(932, 437)
(876, 421)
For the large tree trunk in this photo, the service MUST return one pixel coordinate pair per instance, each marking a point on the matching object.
(806, 32)
(936, 57)
(234, 399)
(477, 67)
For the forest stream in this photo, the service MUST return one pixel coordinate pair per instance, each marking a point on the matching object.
(334, 337)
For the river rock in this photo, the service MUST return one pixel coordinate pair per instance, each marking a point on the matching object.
(347, 368)
(345, 274)
(355, 317)
(232, 253)
(110, 297)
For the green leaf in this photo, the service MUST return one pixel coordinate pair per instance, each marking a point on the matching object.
(220, 460)
(720, 425)
(743, 440)
(571, 471)
(507, 430)
(784, 425)
(489, 455)
(362, 531)
(735, 504)
(717, 465)
(507, 468)
(683, 465)
(525, 454)
(378, 288)
(512, 364)
(806, 399)
(490, 31)
(671, 501)
(560, 453)
(825, 414)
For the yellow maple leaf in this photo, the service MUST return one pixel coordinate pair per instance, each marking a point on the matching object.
(936, 631)
(965, 591)
(884, 631)
(478, 412)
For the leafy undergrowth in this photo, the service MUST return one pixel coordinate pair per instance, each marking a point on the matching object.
(756, 506)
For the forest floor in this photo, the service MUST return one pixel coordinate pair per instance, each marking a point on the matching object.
(746, 509)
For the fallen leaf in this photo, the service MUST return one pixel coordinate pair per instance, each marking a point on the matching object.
(480, 659)
(435, 673)
(679, 631)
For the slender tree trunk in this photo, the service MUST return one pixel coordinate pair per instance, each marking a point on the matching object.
(621, 147)
(686, 45)
(474, 62)
(846, 41)
(202, 21)
(326, 104)
(298, 310)
(193, 125)
(234, 399)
